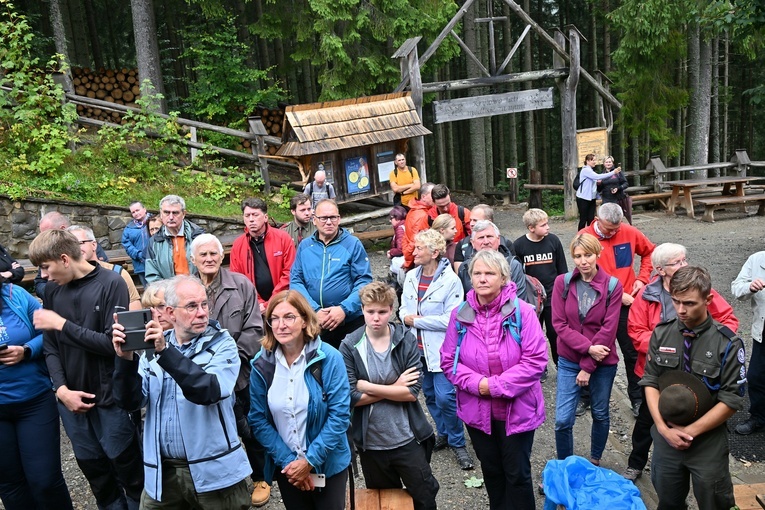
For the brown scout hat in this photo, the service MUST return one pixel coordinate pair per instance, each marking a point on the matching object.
(684, 397)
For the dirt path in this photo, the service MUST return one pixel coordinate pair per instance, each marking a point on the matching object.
(721, 247)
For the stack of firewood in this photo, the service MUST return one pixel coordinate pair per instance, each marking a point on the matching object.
(115, 86)
(272, 119)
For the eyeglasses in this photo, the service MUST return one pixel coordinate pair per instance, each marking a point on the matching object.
(172, 213)
(328, 219)
(193, 307)
(289, 320)
(87, 241)
(681, 262)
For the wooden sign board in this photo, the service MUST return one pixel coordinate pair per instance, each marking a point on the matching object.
(495, 104)
(591, 141)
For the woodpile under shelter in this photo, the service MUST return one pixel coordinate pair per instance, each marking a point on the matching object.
(353, 140)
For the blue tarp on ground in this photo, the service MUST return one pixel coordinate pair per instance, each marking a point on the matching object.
(579, 485)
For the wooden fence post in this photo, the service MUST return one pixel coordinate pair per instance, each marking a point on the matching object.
(259, 149)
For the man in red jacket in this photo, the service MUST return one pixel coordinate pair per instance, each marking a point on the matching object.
(653, 305)
(263, 254)
(442, 204)
(416, 220)
(621, 243)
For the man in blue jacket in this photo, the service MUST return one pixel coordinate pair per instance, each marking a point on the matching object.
(135, 238)
(192, 453)
(329, 269)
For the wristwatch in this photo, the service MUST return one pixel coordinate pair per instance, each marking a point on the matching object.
(27, 352)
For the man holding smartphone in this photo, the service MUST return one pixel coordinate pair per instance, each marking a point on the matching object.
(193, 456)
(78, 302)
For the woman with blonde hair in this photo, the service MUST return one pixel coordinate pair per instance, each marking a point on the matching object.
(300, 407)
(446, 225)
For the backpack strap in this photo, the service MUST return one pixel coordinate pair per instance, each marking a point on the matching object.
(315, 370)
(513, 327)
(611, 286)
(566, 283)
(461, 330)
(117, 268)
(309, 190)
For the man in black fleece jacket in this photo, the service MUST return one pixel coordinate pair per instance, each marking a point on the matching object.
(76, 318)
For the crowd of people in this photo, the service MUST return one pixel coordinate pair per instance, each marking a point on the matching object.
(285, 365)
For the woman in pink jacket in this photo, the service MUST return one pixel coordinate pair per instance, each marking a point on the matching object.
(494, 353)
(585, 312)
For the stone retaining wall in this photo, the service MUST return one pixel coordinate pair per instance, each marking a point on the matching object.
(19, 219)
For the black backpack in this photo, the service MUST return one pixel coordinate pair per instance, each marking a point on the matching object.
(576, 182)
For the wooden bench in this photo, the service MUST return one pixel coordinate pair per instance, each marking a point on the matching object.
(647, 198)
(503, 194)
(750, 497)
(381, 499)
(712, 203)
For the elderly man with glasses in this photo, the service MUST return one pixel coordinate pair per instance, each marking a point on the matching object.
(169, 250)
(233, 302)
(330, 267)
(192, 454)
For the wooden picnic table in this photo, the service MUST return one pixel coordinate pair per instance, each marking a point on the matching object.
(687, 185)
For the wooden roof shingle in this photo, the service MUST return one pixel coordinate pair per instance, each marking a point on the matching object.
(324, 127)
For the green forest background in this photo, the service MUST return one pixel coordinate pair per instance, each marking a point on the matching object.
(689, 74)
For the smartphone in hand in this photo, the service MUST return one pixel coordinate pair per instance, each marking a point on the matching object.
(134, 322)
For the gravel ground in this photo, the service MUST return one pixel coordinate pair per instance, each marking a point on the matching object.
(722, 247)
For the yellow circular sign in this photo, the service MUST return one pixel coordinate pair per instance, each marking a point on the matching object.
(353, 177)
(364, 182)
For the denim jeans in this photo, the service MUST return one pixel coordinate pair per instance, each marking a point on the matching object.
(441, 399)
(566, 399)
(30, 469)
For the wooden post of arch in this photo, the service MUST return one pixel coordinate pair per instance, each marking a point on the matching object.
(567, 89)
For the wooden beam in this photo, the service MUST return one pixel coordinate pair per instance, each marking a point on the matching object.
(437, 41)
(470, 54)
(562, 52)
(514, 49)
(445, 86)
(86, 101)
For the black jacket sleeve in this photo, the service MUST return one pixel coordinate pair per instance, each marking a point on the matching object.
(128, 393)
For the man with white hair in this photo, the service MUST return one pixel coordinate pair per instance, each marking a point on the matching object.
(621, 244)
(485, 236)
(319, 189)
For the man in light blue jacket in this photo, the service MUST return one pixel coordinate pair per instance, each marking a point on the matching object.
(192, 453)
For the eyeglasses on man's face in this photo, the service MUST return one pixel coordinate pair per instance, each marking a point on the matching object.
(87, 241)
(328, 219)
(193, 307)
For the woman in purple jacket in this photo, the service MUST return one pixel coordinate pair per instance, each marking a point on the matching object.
(494, 354)
(585, 313)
